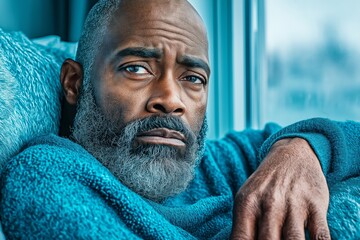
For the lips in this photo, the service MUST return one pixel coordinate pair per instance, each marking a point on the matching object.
(162, 136)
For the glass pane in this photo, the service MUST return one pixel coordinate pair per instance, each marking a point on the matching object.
(313, 60)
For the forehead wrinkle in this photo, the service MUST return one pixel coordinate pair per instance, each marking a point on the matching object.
(143, 35)
(172, 36)
(176, 38)
(197, 34)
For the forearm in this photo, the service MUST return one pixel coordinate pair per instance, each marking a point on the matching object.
(336, 145)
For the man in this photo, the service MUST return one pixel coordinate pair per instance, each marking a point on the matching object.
(138, 165)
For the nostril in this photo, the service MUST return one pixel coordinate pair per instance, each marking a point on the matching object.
(160, 108)
(163, 109)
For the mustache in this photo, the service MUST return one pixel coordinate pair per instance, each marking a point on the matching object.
(138, 126)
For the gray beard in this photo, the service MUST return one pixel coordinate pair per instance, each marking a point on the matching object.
(153, 171)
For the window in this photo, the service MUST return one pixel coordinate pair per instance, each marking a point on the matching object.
(224, 22)
(307, 54)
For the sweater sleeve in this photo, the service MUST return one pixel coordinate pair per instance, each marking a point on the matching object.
(336, 144)
(236, 155)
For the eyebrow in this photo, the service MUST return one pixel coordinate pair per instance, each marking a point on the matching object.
(139, 52)
(194, 62)
(191, 62)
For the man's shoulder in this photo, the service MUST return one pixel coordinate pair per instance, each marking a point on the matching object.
(55, 143)
(54, 186)
(49, 166)
(48, 152)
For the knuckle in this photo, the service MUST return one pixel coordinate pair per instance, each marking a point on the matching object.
(269, 203)
(272, 203)
(322, 234)
(246, 205)
(240, 235)
(318, 226)
(246, 199)
(294, 235)
(293, 230)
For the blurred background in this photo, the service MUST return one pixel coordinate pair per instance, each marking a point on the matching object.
(272, 60)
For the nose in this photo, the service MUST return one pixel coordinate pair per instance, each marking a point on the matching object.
(165, 98)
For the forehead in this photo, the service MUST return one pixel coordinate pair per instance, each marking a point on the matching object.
(170, 26)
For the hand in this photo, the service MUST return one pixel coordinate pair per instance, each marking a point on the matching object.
(285, 195)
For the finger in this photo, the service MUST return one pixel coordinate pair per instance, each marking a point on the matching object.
(318, 226)
(244, 229)
(294, 226)
(244, 220)
(271, 220)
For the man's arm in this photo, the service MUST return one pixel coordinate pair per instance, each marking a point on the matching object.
(336, 144)
(288, 192)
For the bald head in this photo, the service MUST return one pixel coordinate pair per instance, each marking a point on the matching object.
(109, 17)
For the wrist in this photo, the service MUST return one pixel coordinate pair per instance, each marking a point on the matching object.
(296, 146)
(293, 142)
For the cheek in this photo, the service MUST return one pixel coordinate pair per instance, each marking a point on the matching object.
(125, 107)
(196, 113)
(118, 105)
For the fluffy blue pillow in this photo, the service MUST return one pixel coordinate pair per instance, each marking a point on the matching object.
(30, 91)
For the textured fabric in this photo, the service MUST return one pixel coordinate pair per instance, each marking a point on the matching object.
(54, 42)
(56, 189)
(335, 141)
(30, 91)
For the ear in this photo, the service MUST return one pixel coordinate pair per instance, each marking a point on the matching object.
(71, 78)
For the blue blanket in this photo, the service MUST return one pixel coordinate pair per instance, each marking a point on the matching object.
(56, 189)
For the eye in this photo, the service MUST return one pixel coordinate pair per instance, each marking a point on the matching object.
(136, 69)
(195, 79)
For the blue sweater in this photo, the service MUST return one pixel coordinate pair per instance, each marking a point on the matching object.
(56, 189)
